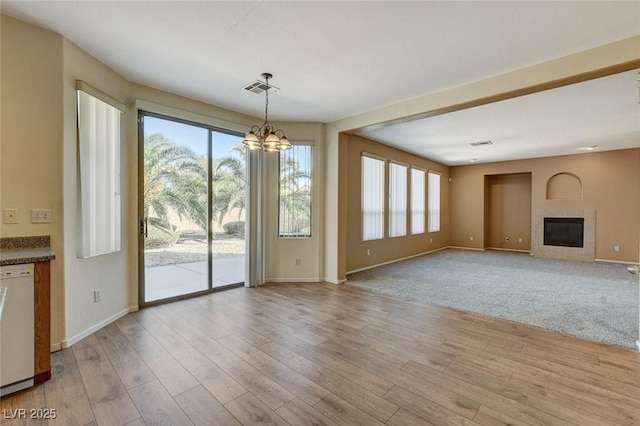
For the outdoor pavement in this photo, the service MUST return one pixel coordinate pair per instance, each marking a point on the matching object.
(162, 282)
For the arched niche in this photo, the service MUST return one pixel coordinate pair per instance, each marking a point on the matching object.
(564, 186)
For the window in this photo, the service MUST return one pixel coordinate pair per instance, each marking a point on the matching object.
(417, 201)
(434, 202)
(372, 198)
(397, 200)
(295, 192)
(99, 172)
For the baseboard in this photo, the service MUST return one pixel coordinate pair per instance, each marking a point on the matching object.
(394, 261)
(66, 343)
(342, 281)
(465, 248)
(616, 261)
(507, 249)
(55, 347)
(293, 280)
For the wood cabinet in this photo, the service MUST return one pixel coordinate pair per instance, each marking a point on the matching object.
(42, 371)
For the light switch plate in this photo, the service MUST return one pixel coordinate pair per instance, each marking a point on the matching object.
(40, 215)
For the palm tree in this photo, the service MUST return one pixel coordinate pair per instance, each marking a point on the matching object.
(295, 197)
(229, 183)
(174, 178)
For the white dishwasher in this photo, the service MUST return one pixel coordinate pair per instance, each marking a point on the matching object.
(17, 347)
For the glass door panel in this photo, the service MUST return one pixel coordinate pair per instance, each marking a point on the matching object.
(229, 183)
(175, 209)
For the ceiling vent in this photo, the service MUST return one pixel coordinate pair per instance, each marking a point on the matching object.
(481, 143)
(259, 87)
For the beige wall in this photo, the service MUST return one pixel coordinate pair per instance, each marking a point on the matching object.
(31, 143)
(508, 211)
(38, 143)
(387, 249)
(107, 273)
(579, 63)
(282, 252)
(38, 171)
(611, 186)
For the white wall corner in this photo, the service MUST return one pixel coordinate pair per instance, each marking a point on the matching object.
(75, 339)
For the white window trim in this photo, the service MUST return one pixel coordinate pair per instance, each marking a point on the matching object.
(99, 184)
(431, 227)
(423, 209)
(379, 235)
(310, 235)
(401, 218)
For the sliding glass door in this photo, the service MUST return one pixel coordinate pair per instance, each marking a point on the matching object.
(193, 191)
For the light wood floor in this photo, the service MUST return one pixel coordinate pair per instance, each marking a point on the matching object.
(323, 354)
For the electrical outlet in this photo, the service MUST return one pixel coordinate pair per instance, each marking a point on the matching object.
(430, 240)
(520, 239)
(368, 252)
(470, 238)
(97, 296)
(296, 261)
(40, 215)
(10, 216)
(506, 239)
(616, 248)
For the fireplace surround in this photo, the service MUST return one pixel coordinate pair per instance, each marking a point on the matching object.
(586, 253)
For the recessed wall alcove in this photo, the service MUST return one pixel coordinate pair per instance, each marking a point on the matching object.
(564, 186)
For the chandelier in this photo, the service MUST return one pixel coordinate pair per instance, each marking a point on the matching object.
(265, 136)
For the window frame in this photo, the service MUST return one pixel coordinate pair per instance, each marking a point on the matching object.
(311, 190)
(423, 208)
(381, 197)
(99, 184)
(398, 199)
(433, 214)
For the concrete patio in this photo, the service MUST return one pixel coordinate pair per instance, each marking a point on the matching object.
(166, 281)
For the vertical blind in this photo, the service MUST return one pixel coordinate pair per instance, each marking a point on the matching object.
(294, 218)
(397, 200)
(434, 202)
(417, 201)
(372, 198)
(99, 176)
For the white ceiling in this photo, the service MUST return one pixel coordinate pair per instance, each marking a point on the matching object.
(332, 60)
(604, 113)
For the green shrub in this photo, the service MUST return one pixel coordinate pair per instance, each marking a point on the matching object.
(160, 235)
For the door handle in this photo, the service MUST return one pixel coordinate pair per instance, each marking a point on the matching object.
(634, 269)
(144, 227)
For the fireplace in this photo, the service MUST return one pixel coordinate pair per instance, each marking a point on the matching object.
(564, 231)
(583, 253)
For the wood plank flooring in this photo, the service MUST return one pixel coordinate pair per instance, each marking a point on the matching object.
(320, 354)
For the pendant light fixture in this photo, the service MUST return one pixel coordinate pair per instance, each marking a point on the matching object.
(265, 136)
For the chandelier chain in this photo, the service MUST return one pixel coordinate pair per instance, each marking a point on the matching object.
(266, 104)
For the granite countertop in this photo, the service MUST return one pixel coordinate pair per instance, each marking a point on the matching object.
(19, 250)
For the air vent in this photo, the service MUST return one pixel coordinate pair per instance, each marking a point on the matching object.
(481, 143)
(259, 87)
